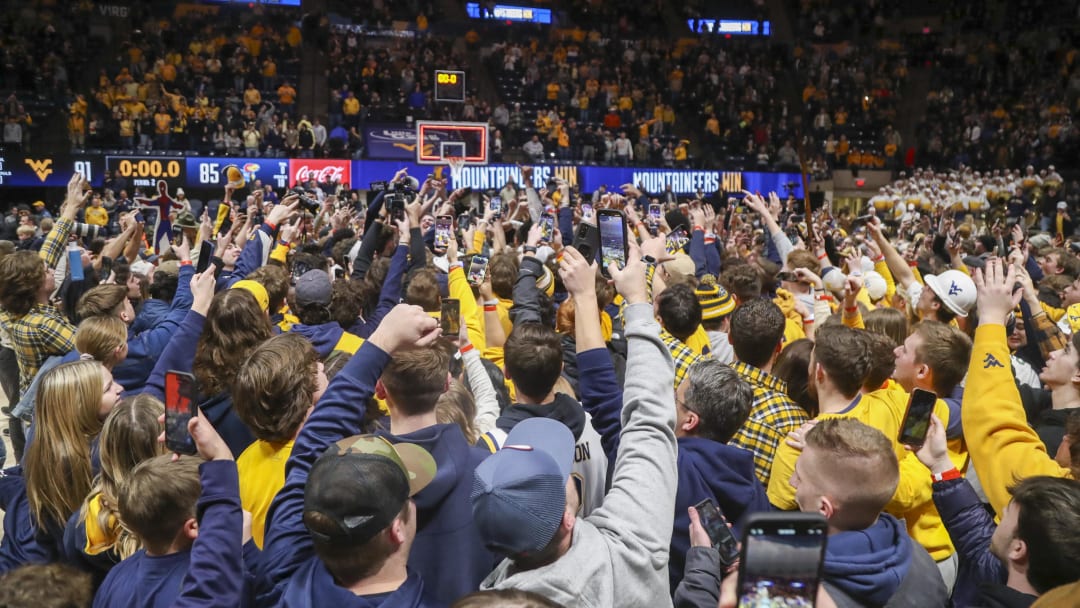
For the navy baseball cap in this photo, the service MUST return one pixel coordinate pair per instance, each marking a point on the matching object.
(519, 492)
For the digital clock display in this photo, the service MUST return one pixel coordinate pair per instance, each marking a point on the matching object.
(146, 171)
(450, 86)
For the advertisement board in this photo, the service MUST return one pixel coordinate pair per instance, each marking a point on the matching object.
(321, 170)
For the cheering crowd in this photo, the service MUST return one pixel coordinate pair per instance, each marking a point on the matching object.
(548, 438)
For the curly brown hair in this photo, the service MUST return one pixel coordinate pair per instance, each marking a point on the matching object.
(235, 324)
(275, 387)
(21, 276)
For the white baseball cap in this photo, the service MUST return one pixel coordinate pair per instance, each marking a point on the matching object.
(955, 289)
(875, 285)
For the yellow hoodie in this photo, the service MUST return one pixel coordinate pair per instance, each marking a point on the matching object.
(1004, 448)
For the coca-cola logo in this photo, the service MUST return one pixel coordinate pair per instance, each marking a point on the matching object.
(323, 175)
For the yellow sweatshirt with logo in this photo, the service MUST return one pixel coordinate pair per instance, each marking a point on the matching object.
(1003, 447)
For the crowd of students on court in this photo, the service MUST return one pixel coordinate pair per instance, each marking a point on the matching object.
(353, 446)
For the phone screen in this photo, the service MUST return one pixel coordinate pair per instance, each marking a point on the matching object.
(781, 559)
(179, 408)
(917, 419)
(547, 228)
(719, 533)
(677, 240)
(478, 269)
(612, 226)
(206, 254)
(586, 211)
(451, 317)
(654, 212)
(443, 231)
(495, 205)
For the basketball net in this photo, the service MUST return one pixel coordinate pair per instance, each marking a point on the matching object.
(457, 163)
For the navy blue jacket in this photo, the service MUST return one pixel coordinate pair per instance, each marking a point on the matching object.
(389, 294)
(211, 573)
(970, 525)
(724, 473)
(448, 552)
(289, 566)
(21, 544)
(150, 314)
(179, 356)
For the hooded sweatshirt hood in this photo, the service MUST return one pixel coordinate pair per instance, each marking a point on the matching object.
(219, 410)
(869, 564)
(724, 473)
(445, 530)
(564, 408)
(323, 337)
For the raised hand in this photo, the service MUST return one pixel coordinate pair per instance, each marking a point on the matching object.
(578, 274)
(995, 292)
(405, 326)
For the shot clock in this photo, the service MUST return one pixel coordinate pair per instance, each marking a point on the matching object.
(450, 86)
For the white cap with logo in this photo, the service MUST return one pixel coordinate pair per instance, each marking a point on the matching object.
(955, 289)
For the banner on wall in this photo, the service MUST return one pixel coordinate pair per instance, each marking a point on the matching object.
(199, 171)
(390, 141)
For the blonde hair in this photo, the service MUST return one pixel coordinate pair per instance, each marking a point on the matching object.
(101, 338)
(128, 437)
(458, 406)
(58, 468)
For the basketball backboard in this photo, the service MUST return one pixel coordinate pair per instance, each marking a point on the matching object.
(439, 139)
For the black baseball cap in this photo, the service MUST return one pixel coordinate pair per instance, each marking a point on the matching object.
(359, 485)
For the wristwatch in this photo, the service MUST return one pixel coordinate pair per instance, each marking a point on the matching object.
(648, 259)
(529, 249)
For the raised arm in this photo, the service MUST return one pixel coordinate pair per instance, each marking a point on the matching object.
(338, 414)
(639, 508)
(78, 192)
(1003, 447)
(898, 266)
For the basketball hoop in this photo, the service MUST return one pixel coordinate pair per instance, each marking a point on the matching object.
(457, 163)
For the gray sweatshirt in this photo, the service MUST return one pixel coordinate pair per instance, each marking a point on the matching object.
(619, 554)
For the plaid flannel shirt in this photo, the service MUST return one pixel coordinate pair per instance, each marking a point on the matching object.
(683, 355)
(772, 417)
(1047, 334)
(36, 336)
(44, 331)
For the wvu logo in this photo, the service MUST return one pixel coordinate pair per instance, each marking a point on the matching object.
(954, 289)
(991, 361)
(42, 168)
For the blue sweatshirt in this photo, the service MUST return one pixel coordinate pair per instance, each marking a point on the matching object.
(145, 349)
(448, 552)
(724, 473)
(323, 337)
(211, 573)
(179, 356)
(869, 564)
(289, 565)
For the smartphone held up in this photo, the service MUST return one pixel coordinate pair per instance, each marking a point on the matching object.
(179, 409)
